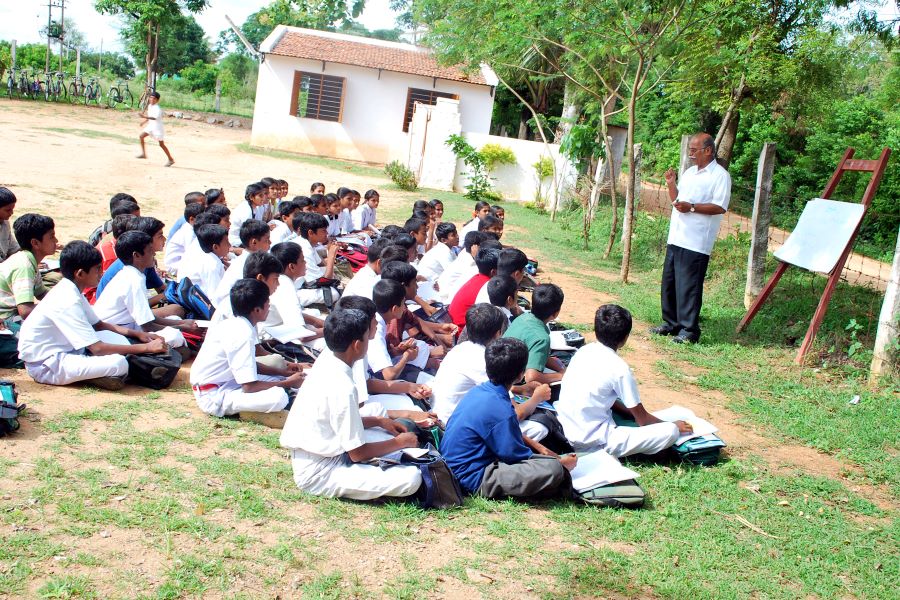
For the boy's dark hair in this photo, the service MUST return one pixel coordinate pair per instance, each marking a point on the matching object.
(317, 199)
(120, 197)
(267, 181)
(481, 204)
(371, 193)
(497, 207)
(500, 288)
(387, 294)
(510, 261)
(302, 202)
(345, 326)
(394, 253)
(207, 217)
(377, 248)
(546, 300)
(287, 253)
(252, 229)
(192, 210)
(286, 208)
(444, 230)
(252, 190)
(213, 195)
(219, 210)
(155, 94)
(31, 226)
(612, 325)
(78, 256)
(413, 225)
(149, 225)
(123, 223)
(343, 191)
(247, 295)
(130, 243)
(473, 238)
(306, 222)
(392, 231)
(486, 260)
(402, 272)
(404, 240)
(125, 207)
(358, 303)
(210, 235)
(315, 185)
(505, 360)
(6, 196)
(483, 322)
(331, 199)
(489, 221)
(491, 242)
(420, 205)
(194, 197)
(262, 263)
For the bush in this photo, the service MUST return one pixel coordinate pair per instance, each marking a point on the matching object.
(401, 175)
(479, 182)
(543, 167)
(495, 155)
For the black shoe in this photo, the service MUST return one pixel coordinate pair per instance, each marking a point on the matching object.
(662, 330)
(686, 338)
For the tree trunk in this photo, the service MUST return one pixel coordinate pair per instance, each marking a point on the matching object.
(725, 148)
(628, 220)
(608, 105)
(570, 112)
(523, 129)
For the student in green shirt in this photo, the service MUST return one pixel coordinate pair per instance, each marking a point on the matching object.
(20, 282)
(531, 328)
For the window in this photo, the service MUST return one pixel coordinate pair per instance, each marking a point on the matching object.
(425, 97)
(317, 96)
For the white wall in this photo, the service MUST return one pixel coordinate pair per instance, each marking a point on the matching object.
(374, 108)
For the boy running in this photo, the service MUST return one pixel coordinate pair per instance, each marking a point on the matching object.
(153, 126)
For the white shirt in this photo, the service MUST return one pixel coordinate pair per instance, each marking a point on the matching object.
(324, 419)
(334, 225)
(239, 214)
(62, 321)
(363, 217)
(284, 306)
(483, 297)
(362, 283)
(281, 233)
(470, 226)
(154, 125)
(124, 300)
(228, 354)
(458, 273)
(436, 260)
(346, 221)
(595, 379)
(235, 271)
(378, 356)
(314, 268)
(710, 185)
(462, 369)
(177, 246)
(204, 269)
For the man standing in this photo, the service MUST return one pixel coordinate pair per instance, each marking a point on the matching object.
(698, 203)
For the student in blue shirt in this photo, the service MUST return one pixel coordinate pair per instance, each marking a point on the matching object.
(483, 444)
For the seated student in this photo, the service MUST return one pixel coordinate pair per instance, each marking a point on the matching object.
(20, 282)
(365, 279)
(333, 202)
(462, 269)
(597, 382)
(499, 212)
(483, 445)
(407, 242)
(531, 328)
(178, 244)
(365, 216)
(8, 244)
(282, 232)
(418, 229)
(124, 301)
(193, 253)
(285, 308)
(154, 228)
(503, 293)
(255, 195)
(441, 254)
(442, 335)
(304, 204)
(328, 438)
(263, 211)
(482, 209)
(55, 339)
(205, 269)
(491, 224)
(107, 247)
(312, 230)
(408, 362)
(319, 204)
(317, 188)
(215, 196)
(97, 235)
(194, 198)
(225, 376)
(254, 238)
(511, 263)
(486, 260)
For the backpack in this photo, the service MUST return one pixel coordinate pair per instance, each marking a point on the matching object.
(624, 494)
(704, 450)
(9, 346)
(357, 256)
(9, 408)
(155, 371)
(439, 487)
(190, 297)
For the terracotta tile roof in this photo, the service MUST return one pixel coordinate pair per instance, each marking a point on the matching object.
(376, 54)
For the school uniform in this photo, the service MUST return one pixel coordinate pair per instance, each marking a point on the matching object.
(204, 269)
(281, 232)
(176, 246)
(595, 378)
(226, 360)
(20, 283)
(323, 425)
(151, 275)
(379, 358)
(285, 309)
(108, 255)
(375, 405)
(262, 212)
(435, 261)
(465, 298)
(363, 217)
(154, 127)
(454, 276)
(483, 446)
(125, 303)
(362, 283)
(536, 336)
(239, 215)
(334, 225)
(314, 271)
(346, 220)
(470, 226)
(54, 337)
(222, 293)
(8, 243)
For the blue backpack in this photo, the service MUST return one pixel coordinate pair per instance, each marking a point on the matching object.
(190, 297)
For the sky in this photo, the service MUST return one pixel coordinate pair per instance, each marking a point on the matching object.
(22, 19)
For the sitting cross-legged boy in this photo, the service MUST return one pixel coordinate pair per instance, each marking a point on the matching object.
(124, 301)
(225, 376)
(181, 240)
(531, 328)
(254, 236)
(312, 230)
(408, 360)
(20, 282)
(441, 255)
(62, 341)
(597, 382)
(205, 268)
(483, 444)
(285, 308)
(329, 440)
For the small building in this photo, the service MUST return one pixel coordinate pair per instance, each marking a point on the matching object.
(349, 97)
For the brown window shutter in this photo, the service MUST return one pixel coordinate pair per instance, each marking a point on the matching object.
(295, 93)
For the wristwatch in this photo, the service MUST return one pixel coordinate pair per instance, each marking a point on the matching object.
(692, 207)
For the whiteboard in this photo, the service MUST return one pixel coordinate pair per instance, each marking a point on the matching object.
(823, 231)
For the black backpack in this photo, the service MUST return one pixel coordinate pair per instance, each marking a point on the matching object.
(192, 298)
(155, 371)
(439, 486)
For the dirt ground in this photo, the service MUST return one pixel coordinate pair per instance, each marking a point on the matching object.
(66, 161)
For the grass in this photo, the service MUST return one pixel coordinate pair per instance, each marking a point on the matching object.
(361, 169)
(93, 133)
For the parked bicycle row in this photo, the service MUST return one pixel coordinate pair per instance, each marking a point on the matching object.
(53, 87)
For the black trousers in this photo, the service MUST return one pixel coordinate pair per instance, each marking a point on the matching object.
(682, 289)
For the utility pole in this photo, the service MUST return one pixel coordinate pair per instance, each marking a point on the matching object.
(62, 31)
(51, 4)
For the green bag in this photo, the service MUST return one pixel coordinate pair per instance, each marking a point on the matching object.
(624, 494)
(704, 450)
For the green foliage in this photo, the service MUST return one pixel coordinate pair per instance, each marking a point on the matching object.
(401, 175)
(200, 77)
(479, 183)
(543, 167)
(495, 155)
(581, 145)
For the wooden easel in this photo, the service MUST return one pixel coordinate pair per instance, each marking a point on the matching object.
(847, 163)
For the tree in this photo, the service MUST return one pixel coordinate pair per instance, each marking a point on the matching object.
(181, 44)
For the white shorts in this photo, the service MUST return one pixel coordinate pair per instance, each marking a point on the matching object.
(230, 399)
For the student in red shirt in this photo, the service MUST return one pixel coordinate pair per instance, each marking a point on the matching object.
(486, 261)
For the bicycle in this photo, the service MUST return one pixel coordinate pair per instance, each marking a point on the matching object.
(11, 85)
(117, 96)
(37, 86)
(145, 98)
(56, 86)
(76, 89)
(24, 85)
(93, 92)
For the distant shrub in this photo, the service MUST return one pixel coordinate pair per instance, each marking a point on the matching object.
(495, 155)
(401, 175)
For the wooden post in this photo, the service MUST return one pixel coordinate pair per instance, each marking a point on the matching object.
(218, 105)
(77, 62)
(889, 321)
(638, 159)
(12, 53)
(685, 162)
(762, 217)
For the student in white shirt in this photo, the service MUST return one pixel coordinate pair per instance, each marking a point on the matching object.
(281, 225)
(204, 267)
(417, 228)
(442, 336)
(482, 209)
(329, 440)
(335, 207)
(365, 216)
(462, 269)
(62, 328)
(312, 230)
(255, 195)
(284, 306)
(225, 376)
(511, 263)
(254, 238)
(390, 303)
(442, 254)
(124, 300)
(178, 243)
(365, 279)
(503, 293)
(597, 382)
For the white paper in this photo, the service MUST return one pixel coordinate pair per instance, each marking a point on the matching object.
(6, 332)
(289, 333)
(599, 468)
(203, 324)
(558, 340)
(415, 452)
(49, 264)
(821, 234)
(679, 413)
(426, 291)
(349, 239)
